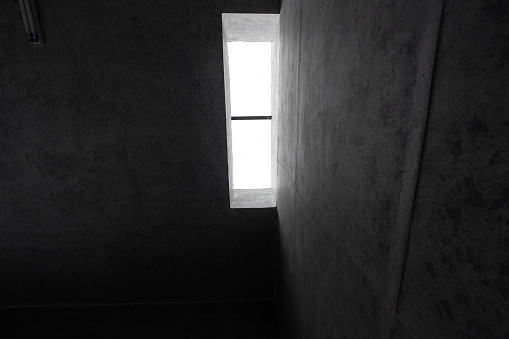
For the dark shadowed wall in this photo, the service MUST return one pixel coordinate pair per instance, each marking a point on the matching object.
(456, 281)
(357, 80)
(113, 165)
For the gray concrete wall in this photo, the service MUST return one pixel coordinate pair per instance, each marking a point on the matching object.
(113, 165)
(356, 81)
(456, 280)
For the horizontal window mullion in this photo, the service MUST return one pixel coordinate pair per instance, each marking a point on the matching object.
(255, 117)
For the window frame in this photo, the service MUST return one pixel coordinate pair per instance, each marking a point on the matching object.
(252, 28)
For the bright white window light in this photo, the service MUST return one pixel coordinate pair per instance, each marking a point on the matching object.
(251, 154)
(250, 92)
(250, 89)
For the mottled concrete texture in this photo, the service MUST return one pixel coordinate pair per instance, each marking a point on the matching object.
(253, 198)
(113, 165)
(456, 281)
(249, 27)
(356, 81)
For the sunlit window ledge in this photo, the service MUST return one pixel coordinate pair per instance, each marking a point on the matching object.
(253, 198)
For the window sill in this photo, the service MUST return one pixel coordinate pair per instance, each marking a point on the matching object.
(253, 198)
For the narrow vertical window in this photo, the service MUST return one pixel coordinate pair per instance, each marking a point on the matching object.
(250, 93)
(250, 63)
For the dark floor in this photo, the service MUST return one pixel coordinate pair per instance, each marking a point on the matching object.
(254, 319)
